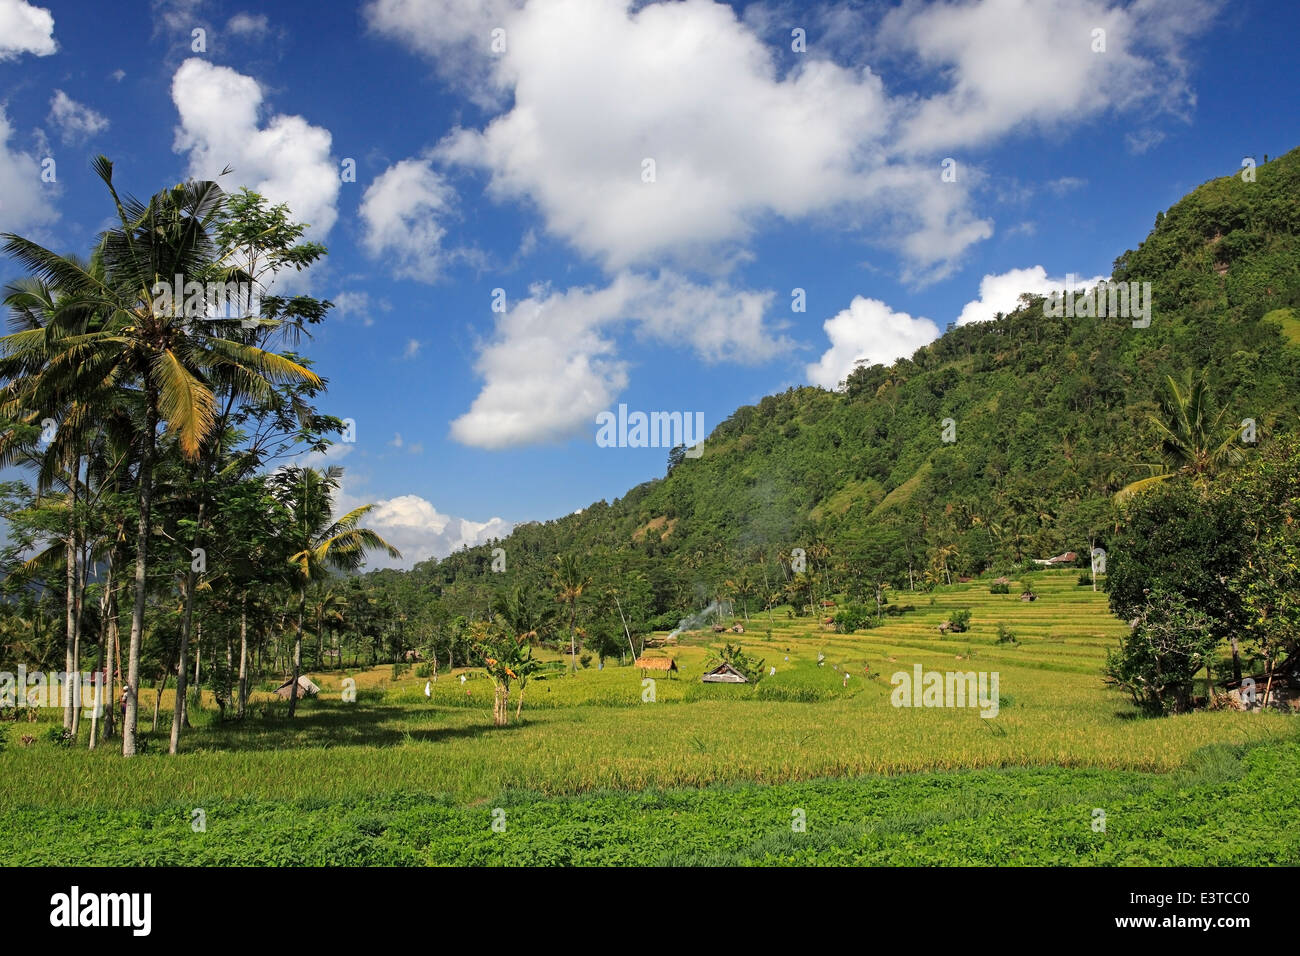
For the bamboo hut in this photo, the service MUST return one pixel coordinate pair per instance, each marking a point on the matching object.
(666, 664)
(724, 674)
(305, 688)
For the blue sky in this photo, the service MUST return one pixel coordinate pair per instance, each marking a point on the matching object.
(522, 168)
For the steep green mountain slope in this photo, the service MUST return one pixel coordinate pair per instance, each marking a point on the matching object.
(1049, 416)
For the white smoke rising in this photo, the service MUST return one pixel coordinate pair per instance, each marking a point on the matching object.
(716, 609)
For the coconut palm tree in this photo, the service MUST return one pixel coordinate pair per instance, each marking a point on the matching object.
(570, 581)
(92, 432)
(322, 544)
(115, 330)
(1193, 441)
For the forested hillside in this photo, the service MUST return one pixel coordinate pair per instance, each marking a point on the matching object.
(1050, 420)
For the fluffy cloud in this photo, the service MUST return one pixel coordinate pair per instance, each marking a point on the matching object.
(1001, 292)
(76, 121)
(417, 529)
(25, 29)
(691, 88)
(868, 330)
(1012, 63)
(455, 34)
(554, 364)
(872, 331)
(287, 159)
(740, 137)
(401, 215)
(26, 200)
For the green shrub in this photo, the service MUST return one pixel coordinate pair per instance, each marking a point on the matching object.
(1005, 634)
(1000, 587)
(59, 736)
(1085, 579)
(1170, 641)
(960, 620)
(424, 670)
(853, 617)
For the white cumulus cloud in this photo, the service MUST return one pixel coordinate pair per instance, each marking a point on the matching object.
(284, 158)
(867, 331)
(1001, 292)
(742, 135)
(418, 530)
(554, 362)
(25, 29)
(689, 87)
(455, 34)
(1007, 64)
(25, 200)
(402, 213)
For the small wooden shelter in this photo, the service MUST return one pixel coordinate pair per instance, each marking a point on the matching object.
(305, 688)
(724, 674)
(666, 664)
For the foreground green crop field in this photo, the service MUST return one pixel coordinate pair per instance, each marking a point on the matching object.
(595, 774)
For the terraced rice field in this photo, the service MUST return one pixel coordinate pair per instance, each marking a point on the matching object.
(598, 737)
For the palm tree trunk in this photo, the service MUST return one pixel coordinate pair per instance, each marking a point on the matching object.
(224, 697)
(573, 641)
(196, 688)
(243, 654)
(71, 662)
(145, 499)
(297, 655)
(97, 691)
(105, 655)
(187, 623)
(70, 640)
(80, 562)
(157, 699)
(114, 651)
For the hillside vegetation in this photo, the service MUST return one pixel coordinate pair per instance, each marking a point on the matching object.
(1050, 417)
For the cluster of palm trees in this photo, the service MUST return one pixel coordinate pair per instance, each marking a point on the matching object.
(150, 428)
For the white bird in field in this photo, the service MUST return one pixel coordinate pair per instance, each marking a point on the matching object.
(428, 688)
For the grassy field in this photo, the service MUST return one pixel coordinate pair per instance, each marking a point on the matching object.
(704, 773)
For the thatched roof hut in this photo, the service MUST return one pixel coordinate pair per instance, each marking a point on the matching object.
(305, 688)
(724, 674)
(666, 664)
